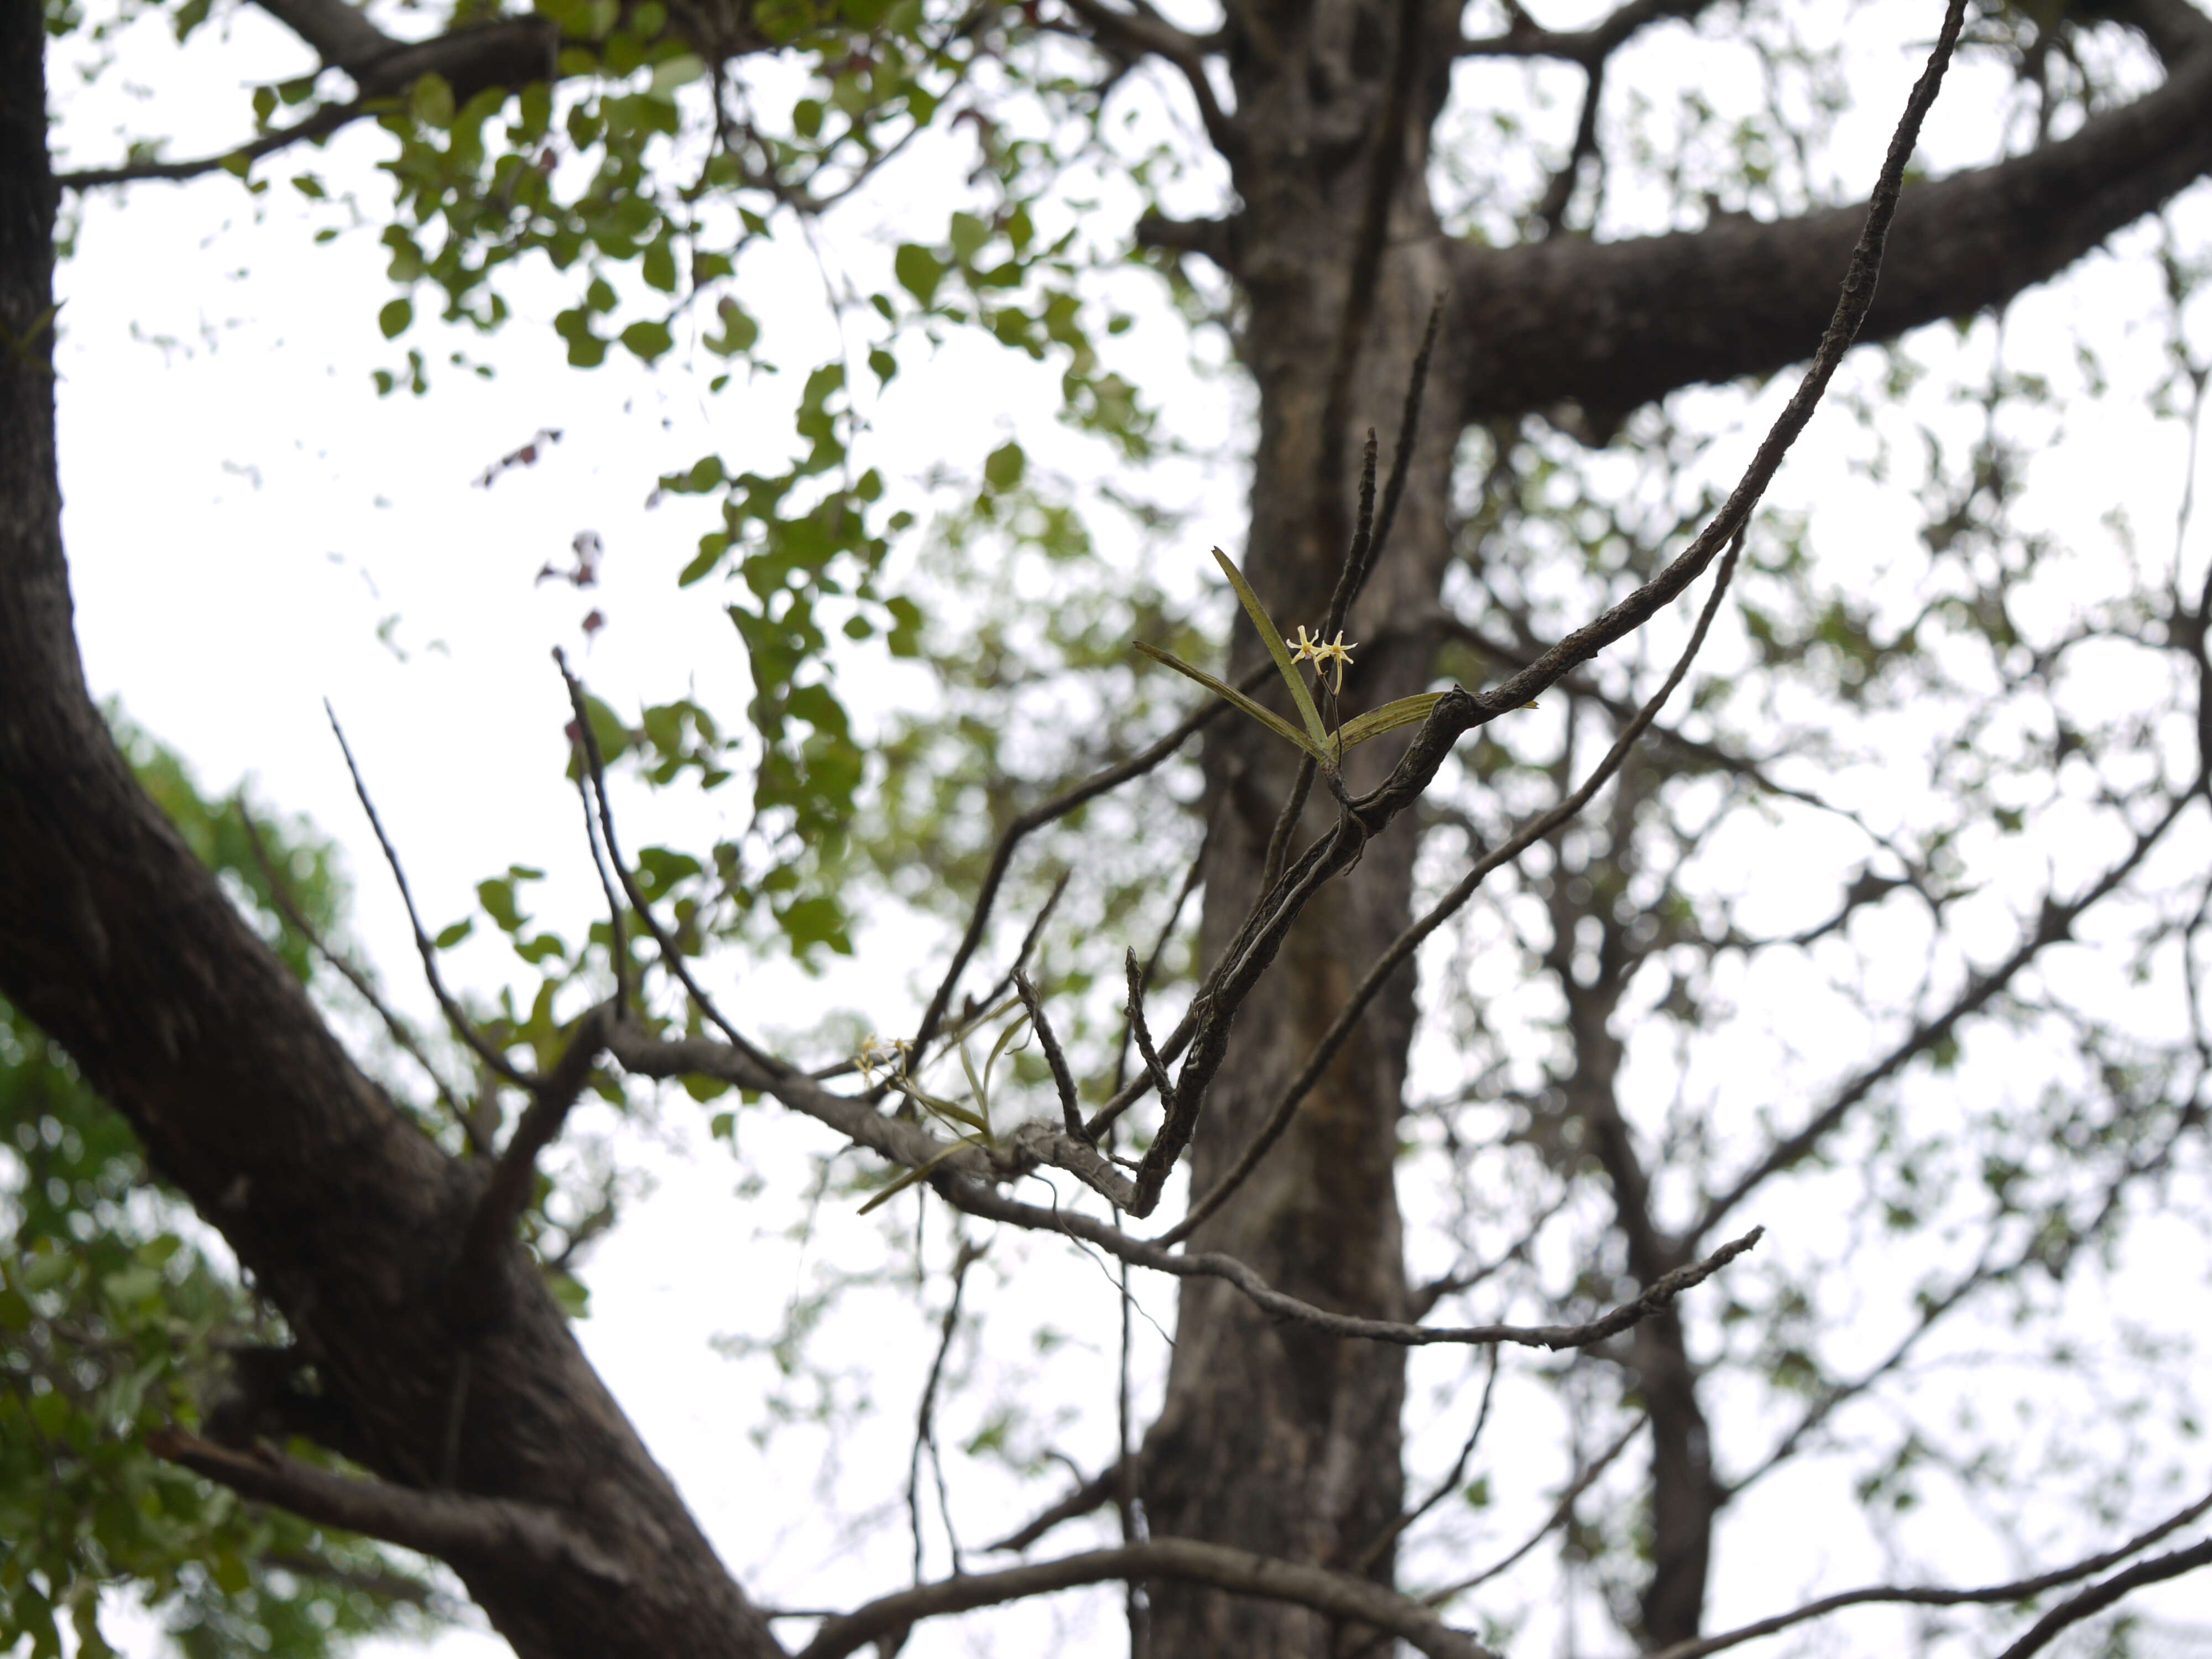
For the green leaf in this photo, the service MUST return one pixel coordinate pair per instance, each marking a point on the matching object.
(1003, 467)
(1228, 694)
(1281, 651)
(647, 340)
(1406, 711)
(453, 935)
(395, 317)
(919, 270)
(969, 233)
(912, 1175)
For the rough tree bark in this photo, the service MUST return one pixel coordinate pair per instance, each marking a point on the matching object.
(1280, 1440)
(125, 951)
(123, 947)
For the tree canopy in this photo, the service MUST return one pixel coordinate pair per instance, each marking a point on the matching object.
(1626, 1003)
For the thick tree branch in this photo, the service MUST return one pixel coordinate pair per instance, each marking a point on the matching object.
(338, 31)
(1614, 324)
(487, 1530)
(1144, 33)
(1340, 1594)
(1589, 47)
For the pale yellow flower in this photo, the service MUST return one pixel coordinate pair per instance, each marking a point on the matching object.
(1323, 654)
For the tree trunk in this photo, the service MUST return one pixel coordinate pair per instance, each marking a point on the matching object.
(122, 946)
(1274, 1439)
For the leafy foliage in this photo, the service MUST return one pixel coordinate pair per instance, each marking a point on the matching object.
(117, 1309)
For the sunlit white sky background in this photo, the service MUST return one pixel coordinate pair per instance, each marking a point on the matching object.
(252, 529)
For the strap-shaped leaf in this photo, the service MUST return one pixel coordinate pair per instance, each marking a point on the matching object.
(1278, 648)
(917, 1173)
(1228, 694)
(946, 1108)
(1406, 711)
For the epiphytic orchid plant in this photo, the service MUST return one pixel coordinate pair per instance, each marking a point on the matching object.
(1326, 746)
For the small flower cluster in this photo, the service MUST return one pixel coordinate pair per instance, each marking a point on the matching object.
(877, 1055)
(1322, 654)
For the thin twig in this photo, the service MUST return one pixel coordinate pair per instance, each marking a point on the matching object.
(1071, 1108)
(1029, 941)
(1191, 877)
(482, 1045)
(1930, 1596)
(320, 125)
(402, 1032)
(1382, 1541)
(990, 1204)
(670, 956)
(925, 1427)
(617, 930)
(1099, 783)
(1560, 1512)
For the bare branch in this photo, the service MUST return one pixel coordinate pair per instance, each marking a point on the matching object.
(1156, 1071)
(1071, 1108)
(1551, 212)
(1099, 783)
(1589, 47)
(1382, 1541)
(1561, 1513)
(1028, 942)
(1852, 305)
(340, 33)
(1341, 1595)
(2098, 1597)
(1459, 711)
(401, 1033)
(460, 1021)
(994, 1205)
(2055, 922)
(2018, 1590)
(1146, 33)
(1092, 1494)
(617, 930)
(670, 956)
(925, 1421)
(321, 123)
(461, 1529)
(1214, 238)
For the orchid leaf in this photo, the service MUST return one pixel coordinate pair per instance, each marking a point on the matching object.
(1406, 711)
(1279, 649)
(1228, 694)
(919, 1172)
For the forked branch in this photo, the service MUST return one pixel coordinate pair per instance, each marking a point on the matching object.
(2066, 1613)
